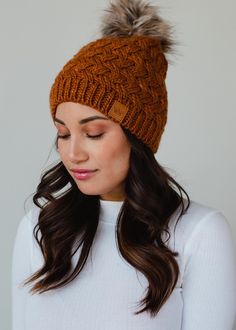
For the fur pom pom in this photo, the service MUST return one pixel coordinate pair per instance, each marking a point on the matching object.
(136, 17)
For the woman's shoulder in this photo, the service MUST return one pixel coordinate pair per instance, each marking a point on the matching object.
(30, 218)
(198, 214)
(198, 222)
(200, 234)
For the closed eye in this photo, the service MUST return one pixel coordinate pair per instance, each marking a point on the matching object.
(95, 136)
(89, 136)
(62, 136)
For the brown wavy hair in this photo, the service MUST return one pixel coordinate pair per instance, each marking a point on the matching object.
(70, 218)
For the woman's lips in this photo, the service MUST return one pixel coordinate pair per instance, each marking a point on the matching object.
(83, 175)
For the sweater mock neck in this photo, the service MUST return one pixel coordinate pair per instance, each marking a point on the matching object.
(109, 210)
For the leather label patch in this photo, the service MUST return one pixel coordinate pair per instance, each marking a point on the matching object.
(118, 111)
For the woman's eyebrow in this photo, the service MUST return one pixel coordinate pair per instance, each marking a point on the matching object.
(82, 121)
(85, 120)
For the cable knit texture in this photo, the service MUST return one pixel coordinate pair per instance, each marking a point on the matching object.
(123, 78)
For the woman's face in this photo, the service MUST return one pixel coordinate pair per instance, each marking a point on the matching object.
(79, 148)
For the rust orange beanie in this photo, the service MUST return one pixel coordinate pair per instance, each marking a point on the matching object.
(122, 74)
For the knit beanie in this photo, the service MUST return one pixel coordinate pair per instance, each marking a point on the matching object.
(122, 74)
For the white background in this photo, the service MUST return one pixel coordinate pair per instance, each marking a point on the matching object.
(198, 145)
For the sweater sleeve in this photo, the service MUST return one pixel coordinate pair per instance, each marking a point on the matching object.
(209, 282)
(21, 270)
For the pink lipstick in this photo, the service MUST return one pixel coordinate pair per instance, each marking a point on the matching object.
(83, 174)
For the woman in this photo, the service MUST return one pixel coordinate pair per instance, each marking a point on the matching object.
(112, 243)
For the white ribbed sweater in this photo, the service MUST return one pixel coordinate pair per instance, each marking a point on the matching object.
(105, 295)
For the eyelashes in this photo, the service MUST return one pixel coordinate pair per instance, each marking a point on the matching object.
(94, 137)
(62, 136)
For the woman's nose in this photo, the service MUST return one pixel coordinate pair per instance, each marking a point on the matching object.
(77, 152)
